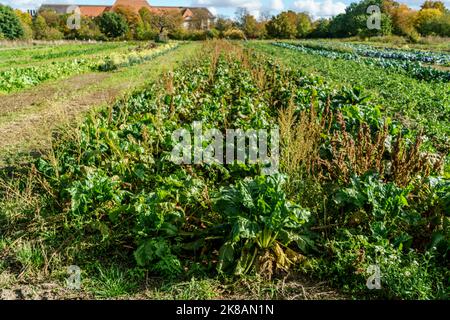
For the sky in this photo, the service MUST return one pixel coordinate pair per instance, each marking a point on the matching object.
(317, 8)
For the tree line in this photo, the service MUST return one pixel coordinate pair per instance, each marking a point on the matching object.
(433, 19)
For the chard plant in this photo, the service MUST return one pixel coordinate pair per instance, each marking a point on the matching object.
(262, 223)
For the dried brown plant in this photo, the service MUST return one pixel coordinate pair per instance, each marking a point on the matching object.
(300, 137)
(409, 162)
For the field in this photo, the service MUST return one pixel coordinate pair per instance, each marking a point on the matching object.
(354, 185)
(26, 111)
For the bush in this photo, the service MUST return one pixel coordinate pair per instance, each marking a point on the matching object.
(179, 34)
(234, 34)
(54, 34)
(212, 34)
(113, 25)
(413, 37)
(145, 32)
(42, 31)
(198, 35)
(39, 28)
(10, 25)
(439, 26)
(194, 35)
(89, 30)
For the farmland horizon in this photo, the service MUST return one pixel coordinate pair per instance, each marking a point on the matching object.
(316, 8)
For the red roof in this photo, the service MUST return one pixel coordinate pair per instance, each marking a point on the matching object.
(136, 5)
(93, 11)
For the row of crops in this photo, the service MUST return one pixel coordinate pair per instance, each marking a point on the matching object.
(17, 78)
(418, 104)
(353, 189)
(429, 57)
(35, 54)
(411, 68)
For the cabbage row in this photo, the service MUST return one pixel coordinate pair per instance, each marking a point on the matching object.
(429, 57)
(405, 55)
(410, 68)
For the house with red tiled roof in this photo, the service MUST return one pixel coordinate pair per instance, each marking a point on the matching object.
(189, 14)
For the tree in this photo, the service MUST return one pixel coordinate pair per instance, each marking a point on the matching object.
(304, 25)
(42, 31)
(88, 30)
(132, 18)
(338, 26)
(10, 25)
(240, 15)
(320, 28)
(428, 4)
(403, 18)
(166, 21)
(52, 18)
(441, 26)
(354, 21)
(113, 25)
(27, 22)
(283, 26)
(145, 31)
(223, 24)
(24, 17)
(289, 24)
(39, 28)
(252, 28)
(145, 14)
(426, 20)
(265, 16)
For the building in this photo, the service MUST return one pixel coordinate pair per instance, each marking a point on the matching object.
(192, 16)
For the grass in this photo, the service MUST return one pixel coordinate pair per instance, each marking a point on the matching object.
(111, 282)
(20, 57)
(60, 102)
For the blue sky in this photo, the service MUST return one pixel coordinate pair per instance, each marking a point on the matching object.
(317, 8)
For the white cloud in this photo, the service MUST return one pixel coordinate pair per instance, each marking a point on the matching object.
(325, 8)
(213, 10)
(228, 3)
(23, 4)
(254, 7)
(33, 4)
(277, 5)
(317, 8)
